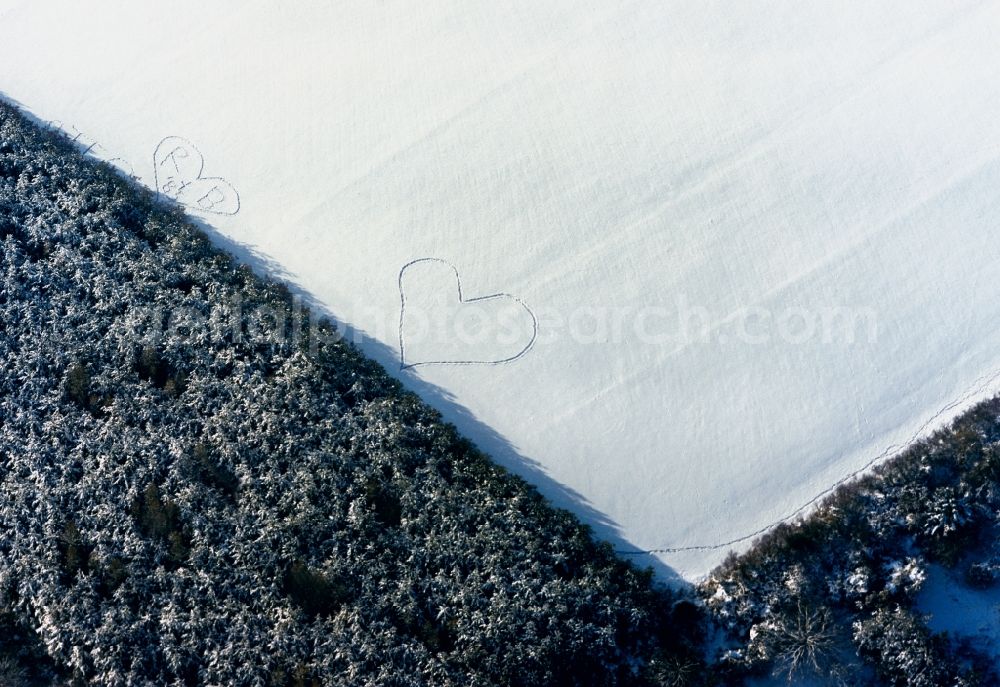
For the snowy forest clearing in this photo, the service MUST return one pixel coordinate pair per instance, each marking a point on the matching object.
(758, 239)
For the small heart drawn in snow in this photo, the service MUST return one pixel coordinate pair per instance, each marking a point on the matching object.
(438, 325)
(177, 169)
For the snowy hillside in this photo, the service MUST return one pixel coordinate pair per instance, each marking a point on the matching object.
(200, 498)
(691, 263)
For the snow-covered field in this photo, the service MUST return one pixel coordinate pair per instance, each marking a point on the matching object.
(691, 263)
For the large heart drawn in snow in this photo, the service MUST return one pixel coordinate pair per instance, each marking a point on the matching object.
(438, 325)
(177, 169)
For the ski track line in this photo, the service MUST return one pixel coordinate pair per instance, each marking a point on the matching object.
(981, 384)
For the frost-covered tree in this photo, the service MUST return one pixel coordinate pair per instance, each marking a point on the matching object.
(905, 651)
(200, 483)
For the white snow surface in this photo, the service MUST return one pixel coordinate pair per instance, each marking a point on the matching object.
(953, 607)
(613, 172)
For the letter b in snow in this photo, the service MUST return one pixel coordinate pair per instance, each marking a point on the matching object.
(178, 168)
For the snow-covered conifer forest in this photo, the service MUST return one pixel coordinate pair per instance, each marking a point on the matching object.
(201, 484)
(185, 501)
